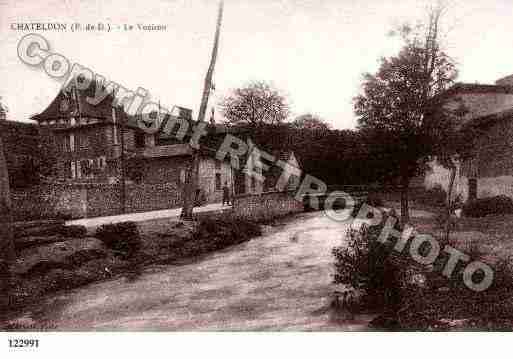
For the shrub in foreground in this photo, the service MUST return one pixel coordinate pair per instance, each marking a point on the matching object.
(73, 231)
(435, 196)
(223, 232)
(372, 200)
(490, 205)
(122, 237)
(503, 274)
(366, 264)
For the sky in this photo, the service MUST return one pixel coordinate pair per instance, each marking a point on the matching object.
(314, 51)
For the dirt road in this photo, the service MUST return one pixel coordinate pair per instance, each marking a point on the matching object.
(279, 281)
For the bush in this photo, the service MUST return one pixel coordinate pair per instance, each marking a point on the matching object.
(490, 205)
(73, 231)
(503, 274)
(435, 196)
(223, 232)
(122, 237)
(372, 200)
(366, 264)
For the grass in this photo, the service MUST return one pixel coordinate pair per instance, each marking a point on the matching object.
(449, 305)
(166, 242)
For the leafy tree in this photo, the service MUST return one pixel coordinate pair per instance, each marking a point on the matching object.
(48, 152)
(310, 122)
(256, 104)
(456, 148)
(396, 107)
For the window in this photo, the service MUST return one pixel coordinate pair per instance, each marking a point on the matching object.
(218, 182)
(253, 184)
(115, 133)
(78, 172)
(472, 188)
(71, 142)
(267, 184)
(68, 143)
(139, 139)
(218, 165)
(102, 163)
(86, 168)
(83, 141)
(68, 170)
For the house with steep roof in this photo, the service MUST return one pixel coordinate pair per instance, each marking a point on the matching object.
(90, 140)
(488, 108)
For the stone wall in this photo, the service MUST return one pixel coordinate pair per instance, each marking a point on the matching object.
(92, 200)
(165, 170)
(265, 206)
(21, 150)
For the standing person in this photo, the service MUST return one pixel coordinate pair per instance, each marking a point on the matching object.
(226, 194)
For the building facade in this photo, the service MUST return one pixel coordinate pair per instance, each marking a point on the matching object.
(489, 170)
(89, 140)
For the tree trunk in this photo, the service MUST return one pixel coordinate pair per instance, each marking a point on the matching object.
(405, 213)
(191, 183)
(6, 234)
(190, 187)
(448, 203)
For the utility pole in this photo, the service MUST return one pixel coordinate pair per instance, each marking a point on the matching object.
(6, 235)
(191, 183)
(123, 175)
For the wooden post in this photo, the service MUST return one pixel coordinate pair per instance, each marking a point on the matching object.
(191, 183)
(123, 178)
(6, 235)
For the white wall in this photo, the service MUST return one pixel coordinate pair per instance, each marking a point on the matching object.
(440, 175)
(486, 187)
(495, 186)
(207, 178)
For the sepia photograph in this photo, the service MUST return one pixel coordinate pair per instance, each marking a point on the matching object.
(255, 166)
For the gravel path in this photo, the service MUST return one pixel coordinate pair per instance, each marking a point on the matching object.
(279, 281)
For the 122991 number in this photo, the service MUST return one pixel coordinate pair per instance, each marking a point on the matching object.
(23, 343)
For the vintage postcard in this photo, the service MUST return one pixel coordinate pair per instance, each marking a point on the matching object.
(255, 166)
